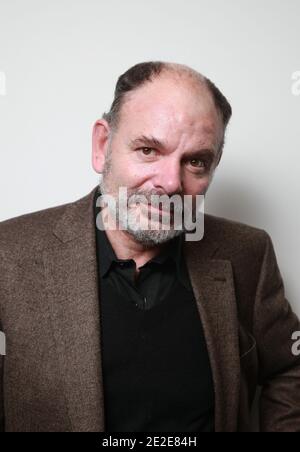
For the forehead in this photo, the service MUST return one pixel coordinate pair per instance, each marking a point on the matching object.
(172, 109)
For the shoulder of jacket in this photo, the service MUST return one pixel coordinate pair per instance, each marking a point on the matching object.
(235, 234)
(28, 232)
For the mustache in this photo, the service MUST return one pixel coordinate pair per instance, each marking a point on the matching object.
(153, 198)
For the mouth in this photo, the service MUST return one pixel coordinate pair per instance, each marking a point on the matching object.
(149, 207)
(161, 210)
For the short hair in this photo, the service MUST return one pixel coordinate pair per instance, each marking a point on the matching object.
(141, 73)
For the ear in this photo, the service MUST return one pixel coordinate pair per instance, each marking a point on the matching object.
(100, 141)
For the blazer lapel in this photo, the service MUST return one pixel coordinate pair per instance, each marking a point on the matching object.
(72, 288)
(212, 282)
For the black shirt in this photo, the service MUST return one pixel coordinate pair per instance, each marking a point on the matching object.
(156, 370)
(154, 279)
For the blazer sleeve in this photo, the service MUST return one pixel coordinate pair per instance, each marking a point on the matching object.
(279, 368)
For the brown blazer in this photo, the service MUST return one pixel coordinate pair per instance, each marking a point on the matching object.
(51, 379)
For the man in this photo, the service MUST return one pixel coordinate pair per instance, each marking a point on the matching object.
(137, 329)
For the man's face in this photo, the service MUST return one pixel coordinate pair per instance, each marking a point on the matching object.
(167, 143)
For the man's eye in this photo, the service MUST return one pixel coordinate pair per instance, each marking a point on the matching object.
(147, 151)
(198, 163)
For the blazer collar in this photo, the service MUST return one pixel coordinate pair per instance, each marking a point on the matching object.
(213, 286)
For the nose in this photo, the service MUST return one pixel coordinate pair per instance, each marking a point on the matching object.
(168, 177)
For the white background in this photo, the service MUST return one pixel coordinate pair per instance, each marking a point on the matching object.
(62, 59)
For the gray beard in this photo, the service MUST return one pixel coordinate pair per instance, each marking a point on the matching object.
(148, 238)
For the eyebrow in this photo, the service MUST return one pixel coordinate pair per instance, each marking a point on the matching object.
(150, 141)
(154, 142)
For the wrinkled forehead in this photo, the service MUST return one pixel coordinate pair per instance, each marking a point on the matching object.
(166, 109)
